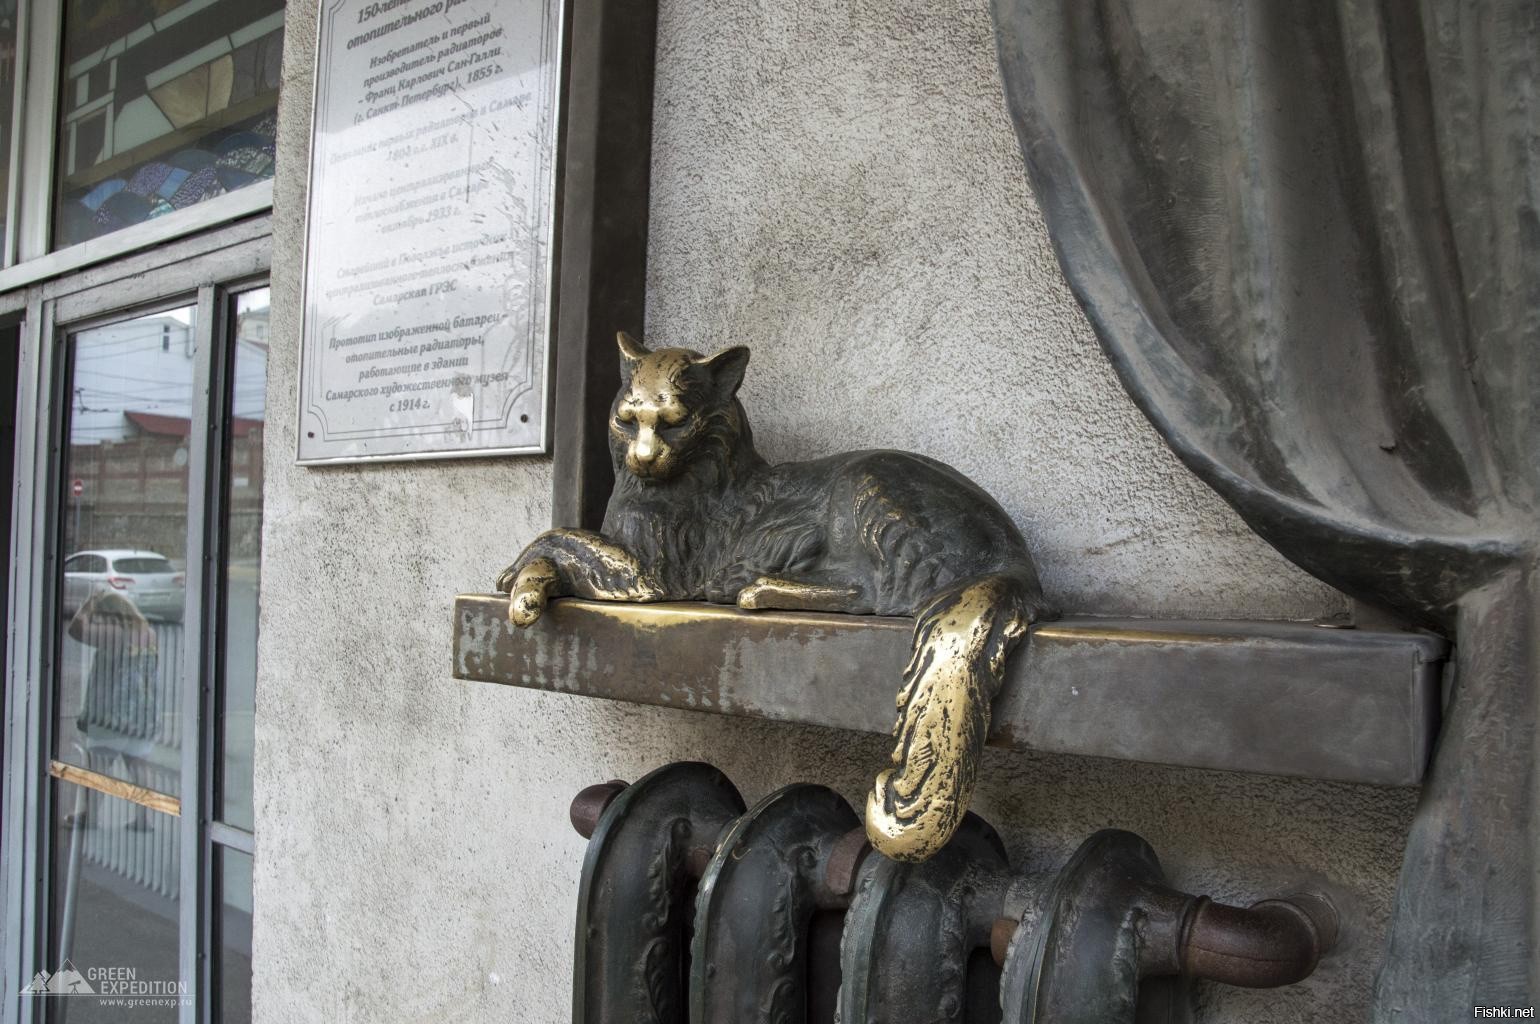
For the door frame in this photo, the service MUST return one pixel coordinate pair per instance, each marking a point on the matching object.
(207, 270)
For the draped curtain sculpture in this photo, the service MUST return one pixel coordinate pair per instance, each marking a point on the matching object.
(1308, 236)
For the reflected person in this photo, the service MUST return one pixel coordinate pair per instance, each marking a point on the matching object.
(120, 711)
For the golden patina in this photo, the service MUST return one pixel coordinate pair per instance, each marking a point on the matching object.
(697, 514)
(956, 668)
(789, 595)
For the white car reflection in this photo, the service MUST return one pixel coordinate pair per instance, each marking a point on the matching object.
(148, 579)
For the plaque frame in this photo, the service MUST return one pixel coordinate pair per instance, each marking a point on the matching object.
(598, 266)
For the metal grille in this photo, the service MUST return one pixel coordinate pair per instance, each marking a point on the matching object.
(130, 728)
(134, 842)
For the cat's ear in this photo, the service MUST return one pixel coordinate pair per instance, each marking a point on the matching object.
(727, 368)
(631, 352)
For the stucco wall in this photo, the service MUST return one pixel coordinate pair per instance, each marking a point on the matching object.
(836, 185)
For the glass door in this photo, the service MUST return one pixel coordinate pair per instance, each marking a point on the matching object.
(146, 867)
(120, 680)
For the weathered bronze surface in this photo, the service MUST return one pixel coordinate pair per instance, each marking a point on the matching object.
(917, 935)
(1305, 234)
(1283, 698)
(1108, 925)
(790, 919)
(636, 899)
(697, 514)
(752, 958)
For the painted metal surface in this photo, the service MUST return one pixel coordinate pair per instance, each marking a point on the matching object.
(1080, 964)
(1356, 184)
(917, 936)
(752, 956)
(1110, 934)
(1282, 698)
(636, 898)
(793, 924)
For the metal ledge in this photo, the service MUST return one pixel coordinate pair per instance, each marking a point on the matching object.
(1279, 698)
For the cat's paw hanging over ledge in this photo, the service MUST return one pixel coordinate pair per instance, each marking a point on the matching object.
(527, 589)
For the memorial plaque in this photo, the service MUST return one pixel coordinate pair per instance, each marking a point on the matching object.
(429, 240)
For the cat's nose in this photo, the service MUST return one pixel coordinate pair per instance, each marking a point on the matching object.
(644, 450)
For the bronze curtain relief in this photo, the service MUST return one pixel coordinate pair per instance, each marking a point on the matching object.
(1307, 236)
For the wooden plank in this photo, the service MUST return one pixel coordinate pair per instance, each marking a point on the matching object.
(115, 787)
(1278, 698)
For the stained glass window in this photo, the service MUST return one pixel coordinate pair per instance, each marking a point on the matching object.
(163, 104)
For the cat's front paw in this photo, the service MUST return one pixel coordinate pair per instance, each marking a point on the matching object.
(753, 596)
(525, 606)
(528, 591)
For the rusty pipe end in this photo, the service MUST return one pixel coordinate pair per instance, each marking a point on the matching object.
(1322, 914)
(844, 863)
(1272, 943)
(1001, 932)
(589, 805)
(1317, 912)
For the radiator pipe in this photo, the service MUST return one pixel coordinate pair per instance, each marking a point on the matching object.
(590, 803)
(1271, 943)
(1059, 936)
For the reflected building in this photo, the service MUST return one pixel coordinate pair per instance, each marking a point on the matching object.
(130, 418)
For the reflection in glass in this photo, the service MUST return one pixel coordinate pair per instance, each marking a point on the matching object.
(123, 586)
(243, 555)
(8, 65)
(113, 911)
(233, 966)
(163, 104)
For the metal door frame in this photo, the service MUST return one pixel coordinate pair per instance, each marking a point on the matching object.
(207, 270)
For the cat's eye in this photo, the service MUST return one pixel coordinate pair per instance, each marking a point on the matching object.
(624, 414)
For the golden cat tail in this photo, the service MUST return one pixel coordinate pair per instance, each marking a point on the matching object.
(961, 641)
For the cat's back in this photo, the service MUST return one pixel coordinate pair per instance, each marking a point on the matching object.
(931, 498)
(923, 479)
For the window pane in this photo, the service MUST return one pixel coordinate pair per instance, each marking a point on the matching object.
(113, 912)
(163, 104)
(125, 505)
(8, 65)
(243, 556)
(234, 939)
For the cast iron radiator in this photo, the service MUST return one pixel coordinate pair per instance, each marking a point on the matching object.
(693, 910)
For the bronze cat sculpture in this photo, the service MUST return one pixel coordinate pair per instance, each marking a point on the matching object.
(697, 514)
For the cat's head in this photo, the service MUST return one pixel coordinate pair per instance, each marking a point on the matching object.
(673, 407)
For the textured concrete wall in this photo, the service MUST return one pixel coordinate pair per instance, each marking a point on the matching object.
(836, 185)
